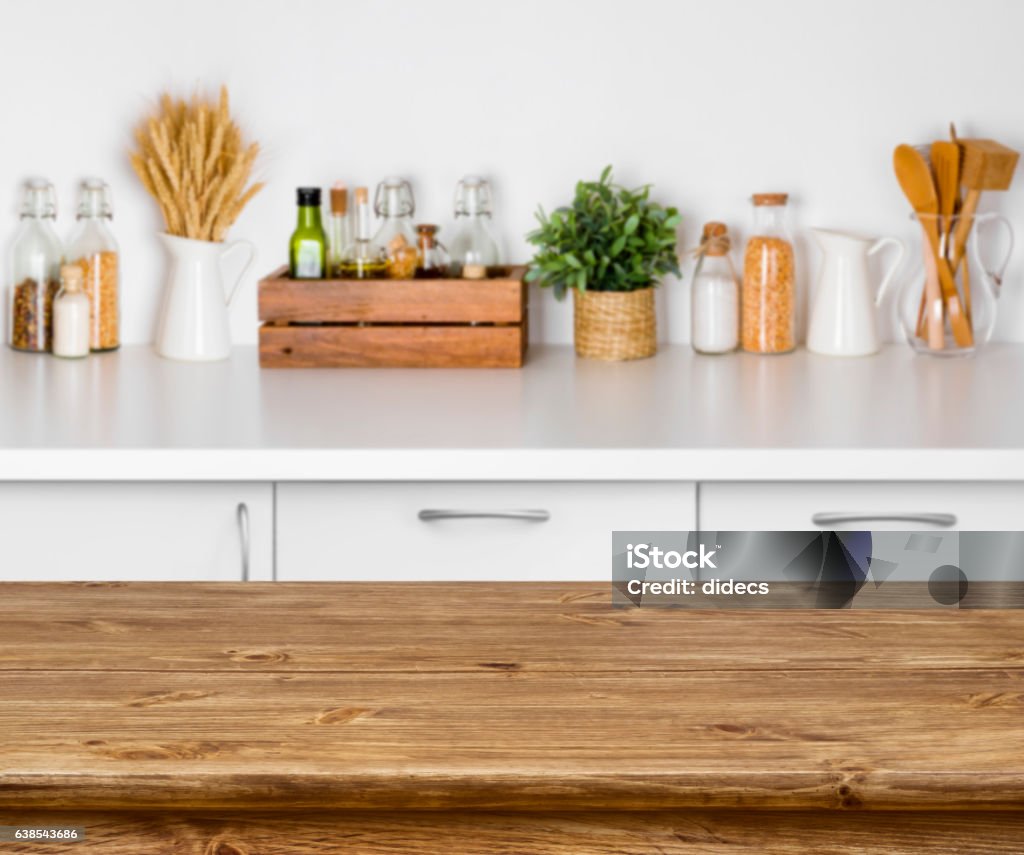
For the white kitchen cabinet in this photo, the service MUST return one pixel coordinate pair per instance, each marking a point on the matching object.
(522, 531)
(799, 506)
(56, 531)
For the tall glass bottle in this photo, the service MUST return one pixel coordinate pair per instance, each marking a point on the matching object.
(396, 238)
(473, 243)
(363, 260)
(769, 280)
(339, 229)
(34, 271)
(307, 257)
(94, 249)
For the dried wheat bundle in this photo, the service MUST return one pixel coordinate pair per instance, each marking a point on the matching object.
(192, 159)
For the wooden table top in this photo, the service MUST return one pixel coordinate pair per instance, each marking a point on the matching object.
(498, 697)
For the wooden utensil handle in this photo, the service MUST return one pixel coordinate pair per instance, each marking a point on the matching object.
(963, 227)
(957, 321)
(930, 320)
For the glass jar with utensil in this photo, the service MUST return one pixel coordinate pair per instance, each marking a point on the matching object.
(936, 326)
(948, 306)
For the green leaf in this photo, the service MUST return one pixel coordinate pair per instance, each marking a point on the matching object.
(610, 238)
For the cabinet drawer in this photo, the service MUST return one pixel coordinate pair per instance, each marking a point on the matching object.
(143, 531)
(797, 506)
(466, 531)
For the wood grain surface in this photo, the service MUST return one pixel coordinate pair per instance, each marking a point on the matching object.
(392, 346)
(640, 833)
(446, 301)
(457, 627)
(496, 697)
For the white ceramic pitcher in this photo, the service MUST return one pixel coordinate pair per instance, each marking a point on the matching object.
(193, 324)
(844, 304)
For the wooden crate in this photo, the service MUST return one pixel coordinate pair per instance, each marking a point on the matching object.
(423, 323)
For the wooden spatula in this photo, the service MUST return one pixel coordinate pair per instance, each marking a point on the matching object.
(915, 178)
(987, 166)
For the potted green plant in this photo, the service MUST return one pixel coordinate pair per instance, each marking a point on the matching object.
(610, 247)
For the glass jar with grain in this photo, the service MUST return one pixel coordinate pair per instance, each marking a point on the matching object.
(34, 271)
(94, 249)
(769, 281)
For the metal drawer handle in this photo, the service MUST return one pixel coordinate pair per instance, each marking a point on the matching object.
(940, 520)
(242, 518)
(431, 514)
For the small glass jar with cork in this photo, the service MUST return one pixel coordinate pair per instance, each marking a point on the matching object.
(71, 314)
(715, 306)
(432, 262)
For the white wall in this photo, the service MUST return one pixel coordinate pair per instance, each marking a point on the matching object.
(709, 101)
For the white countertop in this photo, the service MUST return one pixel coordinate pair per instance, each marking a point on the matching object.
(132, 416)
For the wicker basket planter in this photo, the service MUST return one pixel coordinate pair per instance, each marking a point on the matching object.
(615, 325)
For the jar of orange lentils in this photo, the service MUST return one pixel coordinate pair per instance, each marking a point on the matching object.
(769, 281)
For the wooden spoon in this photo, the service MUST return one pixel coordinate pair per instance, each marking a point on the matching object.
(915, 179)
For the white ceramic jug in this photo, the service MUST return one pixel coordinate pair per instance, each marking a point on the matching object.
(193, 324)
(844, 304)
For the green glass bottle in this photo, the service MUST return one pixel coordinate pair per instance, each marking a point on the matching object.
(307, 257)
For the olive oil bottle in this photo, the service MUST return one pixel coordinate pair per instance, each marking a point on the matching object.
(339, 228)
(307, 255)
(363, 260)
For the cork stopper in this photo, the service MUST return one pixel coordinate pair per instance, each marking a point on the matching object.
(762, 199)
(362, 195)
(339, 199)
(426, 234)
(72, 277)
(715, 238)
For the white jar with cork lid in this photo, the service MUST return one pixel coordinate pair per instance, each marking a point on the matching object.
(71, 310)
(715, 306)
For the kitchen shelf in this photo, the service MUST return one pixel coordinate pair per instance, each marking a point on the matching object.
(132, 416)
